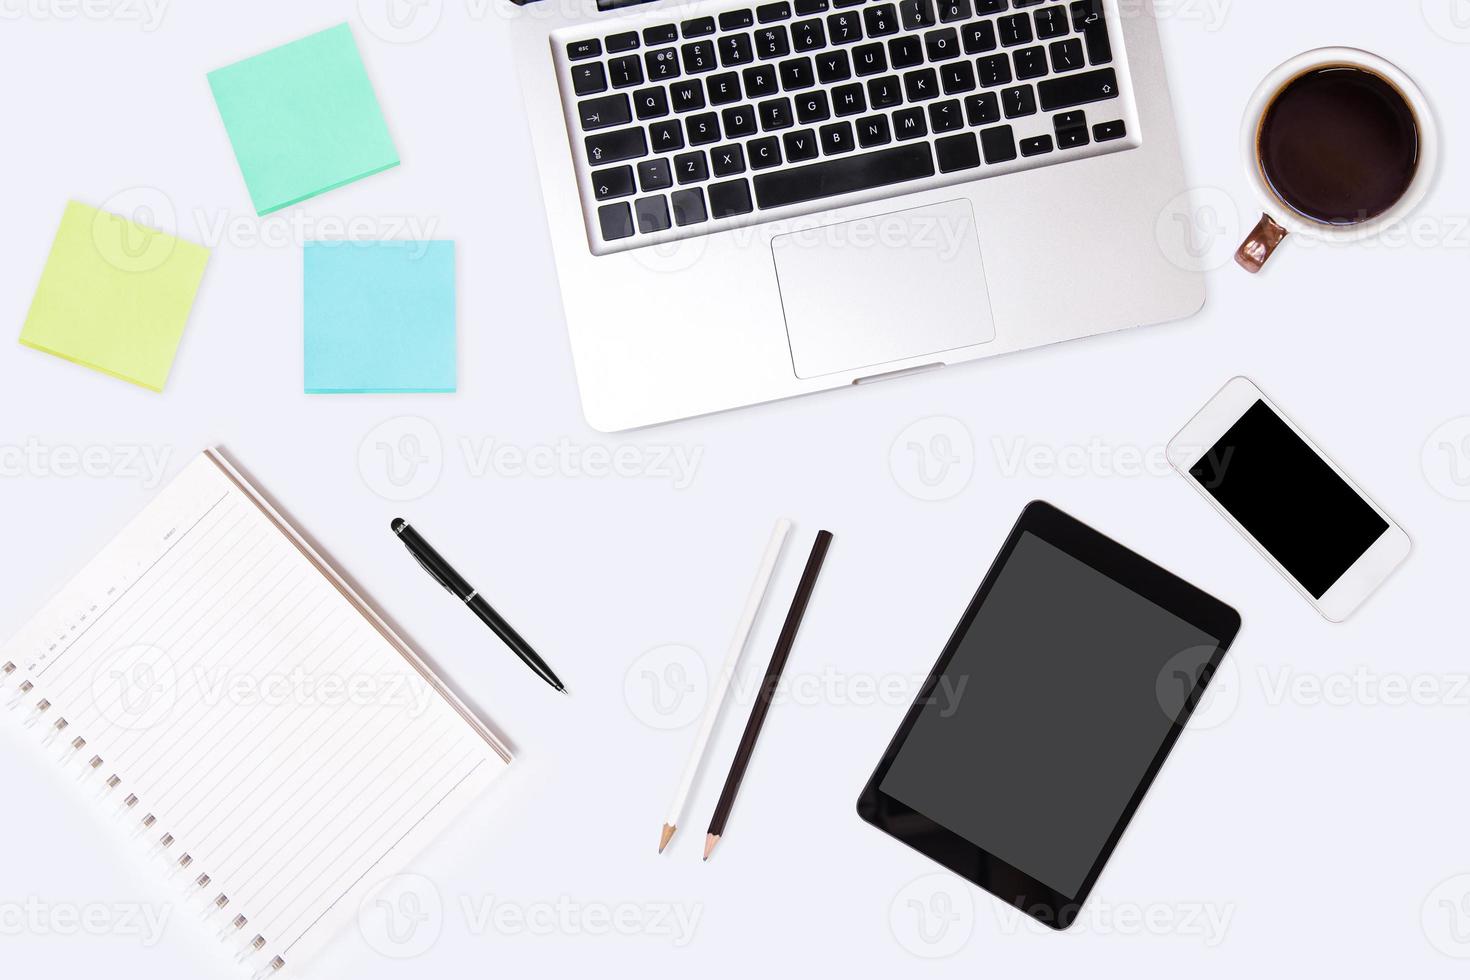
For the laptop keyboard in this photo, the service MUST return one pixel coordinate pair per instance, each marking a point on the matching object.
(748, 112)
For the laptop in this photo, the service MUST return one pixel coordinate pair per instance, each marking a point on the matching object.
(752, 201)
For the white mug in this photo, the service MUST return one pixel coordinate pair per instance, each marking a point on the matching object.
(1280, 217)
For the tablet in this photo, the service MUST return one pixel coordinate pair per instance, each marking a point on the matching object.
(1048, 715)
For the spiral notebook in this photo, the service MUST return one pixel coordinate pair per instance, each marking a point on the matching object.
(275, 747)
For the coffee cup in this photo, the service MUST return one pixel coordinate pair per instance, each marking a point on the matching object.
(1339, 144)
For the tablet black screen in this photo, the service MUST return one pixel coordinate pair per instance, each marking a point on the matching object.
(1049, 715)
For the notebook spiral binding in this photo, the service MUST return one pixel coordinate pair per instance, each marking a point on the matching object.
(251, 952)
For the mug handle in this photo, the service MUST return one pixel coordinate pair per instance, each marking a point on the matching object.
(1260, 244)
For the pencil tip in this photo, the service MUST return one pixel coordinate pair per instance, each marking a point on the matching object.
(666, 836)
(710, 841)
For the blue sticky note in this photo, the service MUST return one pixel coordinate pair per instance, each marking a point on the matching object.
(379, 317)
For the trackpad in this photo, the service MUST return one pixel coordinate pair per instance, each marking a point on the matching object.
(864, 293)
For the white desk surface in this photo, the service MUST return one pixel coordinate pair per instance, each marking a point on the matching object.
(1315, 819)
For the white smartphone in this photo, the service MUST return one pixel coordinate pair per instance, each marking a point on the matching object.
(1328, 539)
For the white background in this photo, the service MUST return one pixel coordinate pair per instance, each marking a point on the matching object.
(1292, 830)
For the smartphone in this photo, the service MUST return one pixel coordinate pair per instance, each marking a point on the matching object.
(1299, 509)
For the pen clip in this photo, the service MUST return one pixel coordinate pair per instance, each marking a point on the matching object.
(434, 572)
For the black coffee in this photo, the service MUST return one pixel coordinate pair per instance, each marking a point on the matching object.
(1339, 145)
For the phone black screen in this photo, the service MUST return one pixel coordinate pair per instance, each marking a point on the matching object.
(1289, 499)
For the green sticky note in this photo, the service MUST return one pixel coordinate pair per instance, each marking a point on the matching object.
(303, 119)
(114, 296)
(379, 317)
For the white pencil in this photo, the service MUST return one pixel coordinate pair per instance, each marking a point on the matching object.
(722, 682)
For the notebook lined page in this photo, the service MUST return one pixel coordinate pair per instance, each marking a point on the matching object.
(258, 724)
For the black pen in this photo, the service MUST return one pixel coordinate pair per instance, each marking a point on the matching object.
(446, 576)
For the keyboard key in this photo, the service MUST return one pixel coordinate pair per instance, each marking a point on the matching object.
(616, 221)
(578, 50)
(626, 71)
(833, 66)
(1030, 62)
(736, 20)
(979, 37)
(686, 96)
(775, 114)
(1067, 55)
(662, 34)
(651, 103)
(805, 8)
(813, 107)
(1036, 146)
(982, 109)
(766, 13)
(772, 42)
(807, 35)
(626, 41)
(727, 160)
(951, 11)
(869, 59)
(665, 137)
(616, 145)
(1070, 120)
(957, 153)
(764, 153)
(917, 14)
(909, 124)
(1019, 101)
(884, 92)
(800, 145)
(983, 7)
(797, 74)
(736, 49)
(589, 79)
(1088, 20)
(957, 77)
(724, 88)
(655, 175)
(873, 131)
(612, 182)
(865, 171)
(702, 128)
(760, 80)
(1070, 139)
(942, 45)
(730, 199)
(691, 168)
(999, 144)
(922, 85)
(653, 214)
(699, 27)
(661, 64)
(608, 110)
(946, 116)
(993, 70)
(848, 100)
(1015, 29)
(836, 138)
(1051, 22)
(905, 52)
(845, 28)
(1104, 132)
(739, 121)
(881, 20)
(699, 56)
(1073, 90)
(688, 207)
(1018, 4)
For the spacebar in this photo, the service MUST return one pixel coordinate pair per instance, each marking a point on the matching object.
(844, 175)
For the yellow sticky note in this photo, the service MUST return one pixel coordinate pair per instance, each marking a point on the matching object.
(114, 296)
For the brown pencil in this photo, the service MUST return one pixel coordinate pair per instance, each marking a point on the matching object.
(762, 704)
